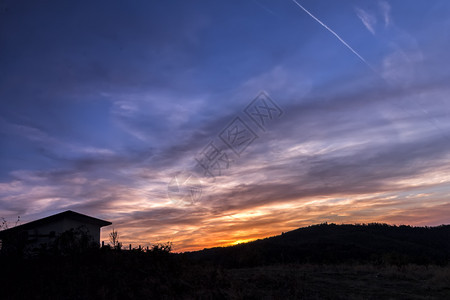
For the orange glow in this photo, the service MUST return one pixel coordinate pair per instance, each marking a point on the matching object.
(241, 242)
(198, 227)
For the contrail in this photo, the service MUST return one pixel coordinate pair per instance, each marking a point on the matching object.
(265, 8)
(335, 34)
(432, 120)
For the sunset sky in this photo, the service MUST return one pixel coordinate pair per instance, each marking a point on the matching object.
(104, 103)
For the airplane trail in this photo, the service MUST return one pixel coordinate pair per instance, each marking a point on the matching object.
(335, 34)
(265, 8)
(433, 121)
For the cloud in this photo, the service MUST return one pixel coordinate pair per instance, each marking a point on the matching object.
(385, 8)
(277, 81)
(149, 115)
(398, 68)
(339, 159)
(368, 19)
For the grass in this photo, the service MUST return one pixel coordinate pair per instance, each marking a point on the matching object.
(340, 282)
(120, 275)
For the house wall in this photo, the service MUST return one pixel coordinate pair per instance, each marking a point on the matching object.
(47, 233)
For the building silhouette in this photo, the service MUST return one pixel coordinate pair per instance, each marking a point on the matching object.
(43, 233)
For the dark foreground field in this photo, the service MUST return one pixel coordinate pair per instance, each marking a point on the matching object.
(318, 262)
(340, 282)
(142, 276)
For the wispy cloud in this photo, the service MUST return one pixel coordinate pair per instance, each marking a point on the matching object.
(386, 12)
(399, 67)
(368, 19)
(354, 158)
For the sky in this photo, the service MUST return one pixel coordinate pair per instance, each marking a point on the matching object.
(210, 123)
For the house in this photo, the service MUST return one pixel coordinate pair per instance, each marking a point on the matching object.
(42, 233)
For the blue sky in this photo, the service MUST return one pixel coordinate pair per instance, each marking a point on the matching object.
(103, 102)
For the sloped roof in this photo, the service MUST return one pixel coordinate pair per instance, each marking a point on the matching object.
(53, 218)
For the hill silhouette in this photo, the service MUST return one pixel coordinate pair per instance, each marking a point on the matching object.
(373, 243)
